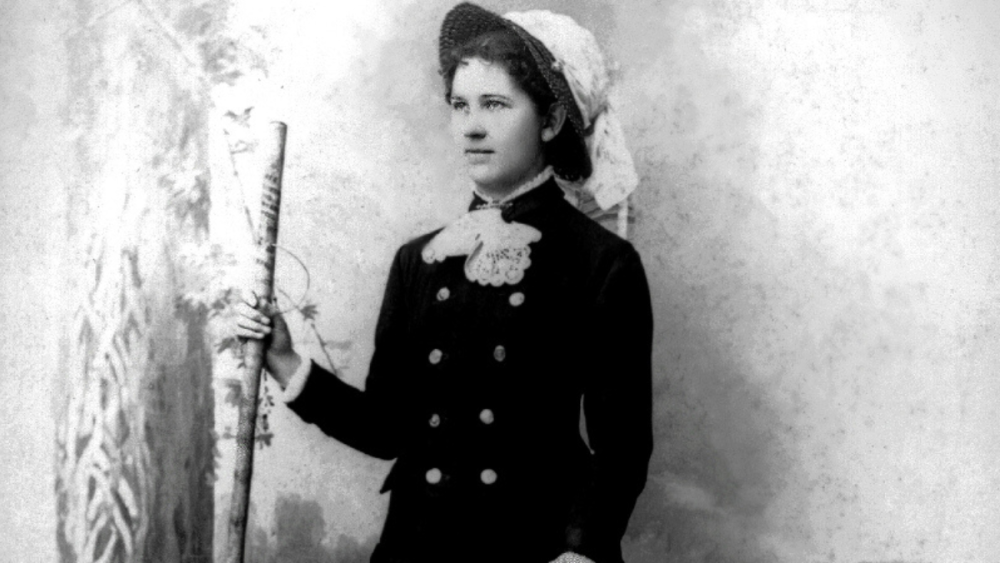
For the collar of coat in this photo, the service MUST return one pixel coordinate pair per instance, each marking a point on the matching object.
(548, 192)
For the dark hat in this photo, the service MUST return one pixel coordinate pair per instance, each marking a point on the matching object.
(467, 21)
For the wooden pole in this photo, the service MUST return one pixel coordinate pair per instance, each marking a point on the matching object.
(272, 149)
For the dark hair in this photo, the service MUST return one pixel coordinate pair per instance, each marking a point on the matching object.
(566, 153)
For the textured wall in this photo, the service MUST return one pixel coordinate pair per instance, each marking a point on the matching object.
(818, 216)
(32, 216)
(823, 236)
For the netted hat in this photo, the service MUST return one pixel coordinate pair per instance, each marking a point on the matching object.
(568, 57)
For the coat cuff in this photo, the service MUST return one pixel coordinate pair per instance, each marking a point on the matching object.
(571, 557)
(297, 382)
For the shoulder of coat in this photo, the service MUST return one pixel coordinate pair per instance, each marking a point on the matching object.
(410, 251)
(596, 237)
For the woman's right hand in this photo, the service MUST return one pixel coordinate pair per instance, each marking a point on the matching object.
(258, 319)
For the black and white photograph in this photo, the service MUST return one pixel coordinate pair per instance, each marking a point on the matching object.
(503, 281)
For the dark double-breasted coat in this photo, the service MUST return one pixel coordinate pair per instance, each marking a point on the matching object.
(475, 391)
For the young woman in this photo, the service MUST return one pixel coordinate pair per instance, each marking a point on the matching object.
(494, 328)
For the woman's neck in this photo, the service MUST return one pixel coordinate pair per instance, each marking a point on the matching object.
(501, 196)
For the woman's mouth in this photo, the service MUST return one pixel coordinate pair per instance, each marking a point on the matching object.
(476, 156)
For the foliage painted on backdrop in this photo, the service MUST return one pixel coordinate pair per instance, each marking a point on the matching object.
(111, 449)
(102, 480)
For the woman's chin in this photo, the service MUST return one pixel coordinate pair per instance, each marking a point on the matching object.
(484, 179)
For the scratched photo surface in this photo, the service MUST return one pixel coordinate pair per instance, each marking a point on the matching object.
(818, 216)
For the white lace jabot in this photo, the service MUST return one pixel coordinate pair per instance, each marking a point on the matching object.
(497, 251)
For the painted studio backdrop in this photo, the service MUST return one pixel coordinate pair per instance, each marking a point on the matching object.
(818, 215)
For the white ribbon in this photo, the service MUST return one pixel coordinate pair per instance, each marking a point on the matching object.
(579, 58)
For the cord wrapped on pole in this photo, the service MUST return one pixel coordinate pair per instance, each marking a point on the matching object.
(272, 149)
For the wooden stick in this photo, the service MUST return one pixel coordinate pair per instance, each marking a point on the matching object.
(273, 150)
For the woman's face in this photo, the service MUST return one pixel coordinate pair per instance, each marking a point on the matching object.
(497, 126)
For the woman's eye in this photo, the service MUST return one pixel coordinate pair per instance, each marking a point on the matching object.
(493, 104)
(457, 105)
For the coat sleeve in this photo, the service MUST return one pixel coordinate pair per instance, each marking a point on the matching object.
(618, 411)
(369, 421)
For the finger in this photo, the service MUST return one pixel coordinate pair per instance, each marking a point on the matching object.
(253, 325)
(252, 319)
(247, 312)
(244, 310)
(246, 333)
(257, 302)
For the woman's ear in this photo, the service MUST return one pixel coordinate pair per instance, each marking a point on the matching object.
(554, 120)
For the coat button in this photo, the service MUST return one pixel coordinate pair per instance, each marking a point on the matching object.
(435, 357)
(488, 476)
(443, 294)
(486, 416)
(435, 420)
(499, 353)
(516, 299)
(433, 476)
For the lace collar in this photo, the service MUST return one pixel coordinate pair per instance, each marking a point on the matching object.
(498, 250)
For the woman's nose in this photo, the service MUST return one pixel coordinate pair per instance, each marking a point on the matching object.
(473, 127)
